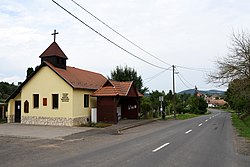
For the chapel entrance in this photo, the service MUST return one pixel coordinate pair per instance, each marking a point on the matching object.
(17, 111)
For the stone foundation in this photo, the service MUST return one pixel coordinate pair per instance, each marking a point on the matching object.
(11, 118)
(57, 121)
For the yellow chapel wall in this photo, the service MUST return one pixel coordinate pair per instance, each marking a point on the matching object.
(78, 104)
(11, 108)
(45, 83)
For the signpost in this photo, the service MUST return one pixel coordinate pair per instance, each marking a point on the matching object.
(161, 98)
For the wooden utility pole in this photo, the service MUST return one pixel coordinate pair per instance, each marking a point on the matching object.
(174, 91)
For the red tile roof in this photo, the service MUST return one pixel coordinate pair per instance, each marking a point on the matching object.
(53, 50)
(78, 78)
(114, 88)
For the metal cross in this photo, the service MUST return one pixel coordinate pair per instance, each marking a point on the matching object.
(55, 35)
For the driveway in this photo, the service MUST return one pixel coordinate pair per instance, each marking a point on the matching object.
(36, 131)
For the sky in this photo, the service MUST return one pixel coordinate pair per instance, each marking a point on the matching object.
(190, 34)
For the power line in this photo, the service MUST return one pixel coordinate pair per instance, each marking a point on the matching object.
(145, 61)
(183, 78)
(156, 75)
(182, 81)
(195, 69)
(119, 33)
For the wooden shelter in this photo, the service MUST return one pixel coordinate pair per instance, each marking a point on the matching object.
(117, 100)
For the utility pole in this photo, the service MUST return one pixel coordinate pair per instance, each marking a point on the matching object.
(174, 91)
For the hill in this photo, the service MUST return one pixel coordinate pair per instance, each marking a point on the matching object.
(208, 92)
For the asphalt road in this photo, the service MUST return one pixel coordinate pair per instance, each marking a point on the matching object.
(205, 141)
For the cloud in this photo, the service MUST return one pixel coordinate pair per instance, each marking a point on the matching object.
(187, 33)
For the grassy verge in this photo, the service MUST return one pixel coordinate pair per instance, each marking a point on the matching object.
(3, 121)
(242, 126)
(182, 116)
(186, 116)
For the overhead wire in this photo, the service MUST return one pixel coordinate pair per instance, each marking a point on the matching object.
(145, 61)
(139, 47)
(182, 81)
(155, 76)
(195, 69)
(182, 78)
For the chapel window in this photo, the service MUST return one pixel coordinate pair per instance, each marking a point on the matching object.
(86, 101)
(36, 100)
(55, 101)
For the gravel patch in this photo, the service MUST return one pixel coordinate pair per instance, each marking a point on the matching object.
(242, 144)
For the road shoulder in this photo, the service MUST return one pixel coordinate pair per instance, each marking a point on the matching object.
(242, 145)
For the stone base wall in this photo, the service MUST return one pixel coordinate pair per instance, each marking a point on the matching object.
(58, 121)
(11, 118)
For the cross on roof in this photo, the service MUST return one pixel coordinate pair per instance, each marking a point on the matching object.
(55, 35)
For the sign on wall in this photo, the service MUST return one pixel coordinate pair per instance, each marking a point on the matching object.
(65, 97)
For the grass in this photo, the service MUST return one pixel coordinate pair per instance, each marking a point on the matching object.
(242, 126)
(3, 121)
(186, 116)
(182, 116)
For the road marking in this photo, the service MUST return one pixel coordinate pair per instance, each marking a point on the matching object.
(200, 124)
(210, 118)
(157, 149)
(206, 120)
(188, 131)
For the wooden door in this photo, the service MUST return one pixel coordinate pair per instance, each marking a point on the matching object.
(17, 111)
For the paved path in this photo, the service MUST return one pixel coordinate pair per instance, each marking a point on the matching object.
(36, 131)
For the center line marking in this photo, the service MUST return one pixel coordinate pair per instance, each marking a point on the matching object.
(157, 149)
(200, 124)
(188, 131)
(206, 120)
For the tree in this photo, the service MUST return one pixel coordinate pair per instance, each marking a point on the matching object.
(146, 106)
(197, 105)
(128, 74)
(6, 90)
(237, 63)
(235, 71)
(238, 95)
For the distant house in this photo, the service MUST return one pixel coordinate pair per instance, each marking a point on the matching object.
(215, 101)
(56, 94)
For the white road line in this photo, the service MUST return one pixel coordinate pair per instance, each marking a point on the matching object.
(206, 120)
(188, 131)
(157, 149)
(200, 124)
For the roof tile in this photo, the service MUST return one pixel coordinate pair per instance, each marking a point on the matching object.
(53, 50)
(117, 89)
(80, 79)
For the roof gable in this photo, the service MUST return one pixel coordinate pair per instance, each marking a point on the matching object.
(53, 50)
(76, 78)
(115, 88)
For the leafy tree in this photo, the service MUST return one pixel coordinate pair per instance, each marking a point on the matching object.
(6, 90)
(197, 105)
(146, 106)
(235, 71)
(128, 74)
(238, 95)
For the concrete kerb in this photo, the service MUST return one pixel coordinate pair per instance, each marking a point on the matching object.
(119, 130)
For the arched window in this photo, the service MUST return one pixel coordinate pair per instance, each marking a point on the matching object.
(26, 107)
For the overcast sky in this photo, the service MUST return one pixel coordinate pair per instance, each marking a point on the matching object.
(190, 34)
